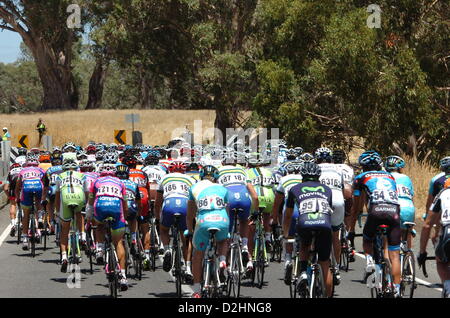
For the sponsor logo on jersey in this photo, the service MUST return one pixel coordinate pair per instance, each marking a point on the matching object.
(313, 189)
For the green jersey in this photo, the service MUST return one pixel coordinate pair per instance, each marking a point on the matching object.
(72, 186)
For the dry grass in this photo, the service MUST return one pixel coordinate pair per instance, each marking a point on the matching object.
(157, 126)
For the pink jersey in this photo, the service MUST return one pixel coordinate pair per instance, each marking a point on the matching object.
(32, 174)
(109, 187)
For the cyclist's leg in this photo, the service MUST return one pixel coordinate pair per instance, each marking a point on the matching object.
(239, 198)
(407, 214)
(323, 246)
(443, 258)
(12, 214)
(200, 243)
(65, 216)
(394, 237)
(337, 218)
(289, 247)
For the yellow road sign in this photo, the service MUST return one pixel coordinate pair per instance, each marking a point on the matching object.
(23, 141)
(120, 136)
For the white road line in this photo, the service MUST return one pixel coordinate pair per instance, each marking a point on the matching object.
(5, 234)
(185, 288)
(421, 281)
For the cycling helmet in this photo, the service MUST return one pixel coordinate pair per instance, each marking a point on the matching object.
(91, 149)
(69, 147)
(32, 160)
(193, 166)
(15, 166)
(68, 164)
(310, 171)
(107, 169)
(323, 154)
(130, 161)
(444, 164)
(339, 156)
(139, 158)
(177, 166)
(151, 160)
(110, 157)
(87, 166)
(370, 160)
(81, 155)
(253, 159)
(291, 154)
(298, 150)
(293, 167)
(22, 151)
(56, 159)
(44, 157)
(99, 155)
(123, 172)
(307, 157)
(394, 163)
(209, 172)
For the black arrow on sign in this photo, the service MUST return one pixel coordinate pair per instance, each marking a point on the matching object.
(22, 141)
(119, 137)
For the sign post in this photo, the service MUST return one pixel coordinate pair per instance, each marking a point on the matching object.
(48, 143)
(136, 135)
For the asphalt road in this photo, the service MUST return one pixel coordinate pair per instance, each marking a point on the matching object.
(24, 276)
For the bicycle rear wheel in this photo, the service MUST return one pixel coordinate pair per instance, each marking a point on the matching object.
(45, 231)
(18, 225)
(154, 247)
(126, 247)
(387, 281)
(234, 278)
(178, 274)
(318, 283)
(89, 250)
(408, 280)
(112, 273)
(260, 264)
(33, 236)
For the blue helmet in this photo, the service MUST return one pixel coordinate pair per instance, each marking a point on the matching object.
(444, 164)
(393, 163)
(209, 171)
(370, 159)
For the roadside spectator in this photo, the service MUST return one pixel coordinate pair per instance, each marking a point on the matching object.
(6, 135)
(40, 127)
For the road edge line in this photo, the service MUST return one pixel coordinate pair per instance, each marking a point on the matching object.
(5, 234)
(185, 288)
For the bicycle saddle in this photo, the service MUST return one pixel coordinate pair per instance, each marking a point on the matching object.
(213, 230)
(73, 206)
(409, 224)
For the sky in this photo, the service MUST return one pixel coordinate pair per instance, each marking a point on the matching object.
(9, 46)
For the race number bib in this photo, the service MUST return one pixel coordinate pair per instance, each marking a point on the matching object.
(211, 202)
(130, 195)
(71, 181)
(384, 196)
(53, 178)
(31, 175)
(314, 205)
(176, 187)
(404, 192)
(332, 182)
(232, 178)
(109, 190)
(139, 181)
(263, 181)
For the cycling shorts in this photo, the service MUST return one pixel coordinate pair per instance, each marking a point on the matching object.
(76, 198)
(267, 199)
(105, 207)
(212, 219)
(407, 212)
(30, 189)
(387, 214)
(337, 218)
(293, 226)
(239, 198)
(51, 193)
(322, 243)
(443, 246)
(132, 210)
(144, 201)
(171, 206)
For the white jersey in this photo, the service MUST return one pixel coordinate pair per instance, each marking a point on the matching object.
(347, 172)
(154, 173)
(176, 185)
(442, 204)
(287, 182)
(231, 175)
(331, 176)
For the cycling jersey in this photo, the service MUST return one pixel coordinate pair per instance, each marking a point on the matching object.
(140, 178)
(154, 173)
(21, 160)
(11, 179)
(231, 175)
(346, 171)
(71, 185)
(333, 178)
(109, 193)
(52, 175)
(175, 185)
(33, 182)
(211, 200)
(380, 187)
(132, 195)
(441, 204)
(314, 201)
(437, 183)
(263, 181)
(285, 184)
(405, 192)
(194, 175)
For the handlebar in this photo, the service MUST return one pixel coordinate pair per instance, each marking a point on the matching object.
(424, 266)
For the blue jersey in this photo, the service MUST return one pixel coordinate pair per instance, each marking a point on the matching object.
(405, 187)
(380, 187)
(132, 190)
(52, 174)
(208, 196)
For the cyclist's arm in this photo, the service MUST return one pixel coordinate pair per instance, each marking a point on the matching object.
(277, 206)
(6, 187)
(46, 183)
(254, 196)
(158, 204)
(192, 210)
(288, 213)
(432, 218)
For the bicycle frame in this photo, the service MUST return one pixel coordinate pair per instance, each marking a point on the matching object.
(211, 277)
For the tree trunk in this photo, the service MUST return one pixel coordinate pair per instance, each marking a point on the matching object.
(96, 84)
(55, 74)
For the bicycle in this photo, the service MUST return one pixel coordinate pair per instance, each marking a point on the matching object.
(259, 251)
(90, 244)
(277, 247)
(46, 229)
(112, 266)
(346, 250)
(424, 270)
(32, 227)
(126, 245)
(236, 269)
(154, 238)
(19, 223)
(314, 287)
(380, 281)
(177, 254)
(138, 256)
(295, 266)
(73, 248)
(211, 285)
(407, 263)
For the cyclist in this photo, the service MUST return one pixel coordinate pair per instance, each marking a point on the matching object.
(71, 189)
(262, 179)
(10, 187)
(241, 194)
(22, 156)
(107, 198)
(52, 175)
(379, 189)
(208, 204)
(193, 170)
(172, 197)
(87, 167)
(314, 201)
(436, 185)
(439, 209)
(291, 179)
(133, 199)
(32, 181)
(405, 190)
(141, 179)
(334, 179)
